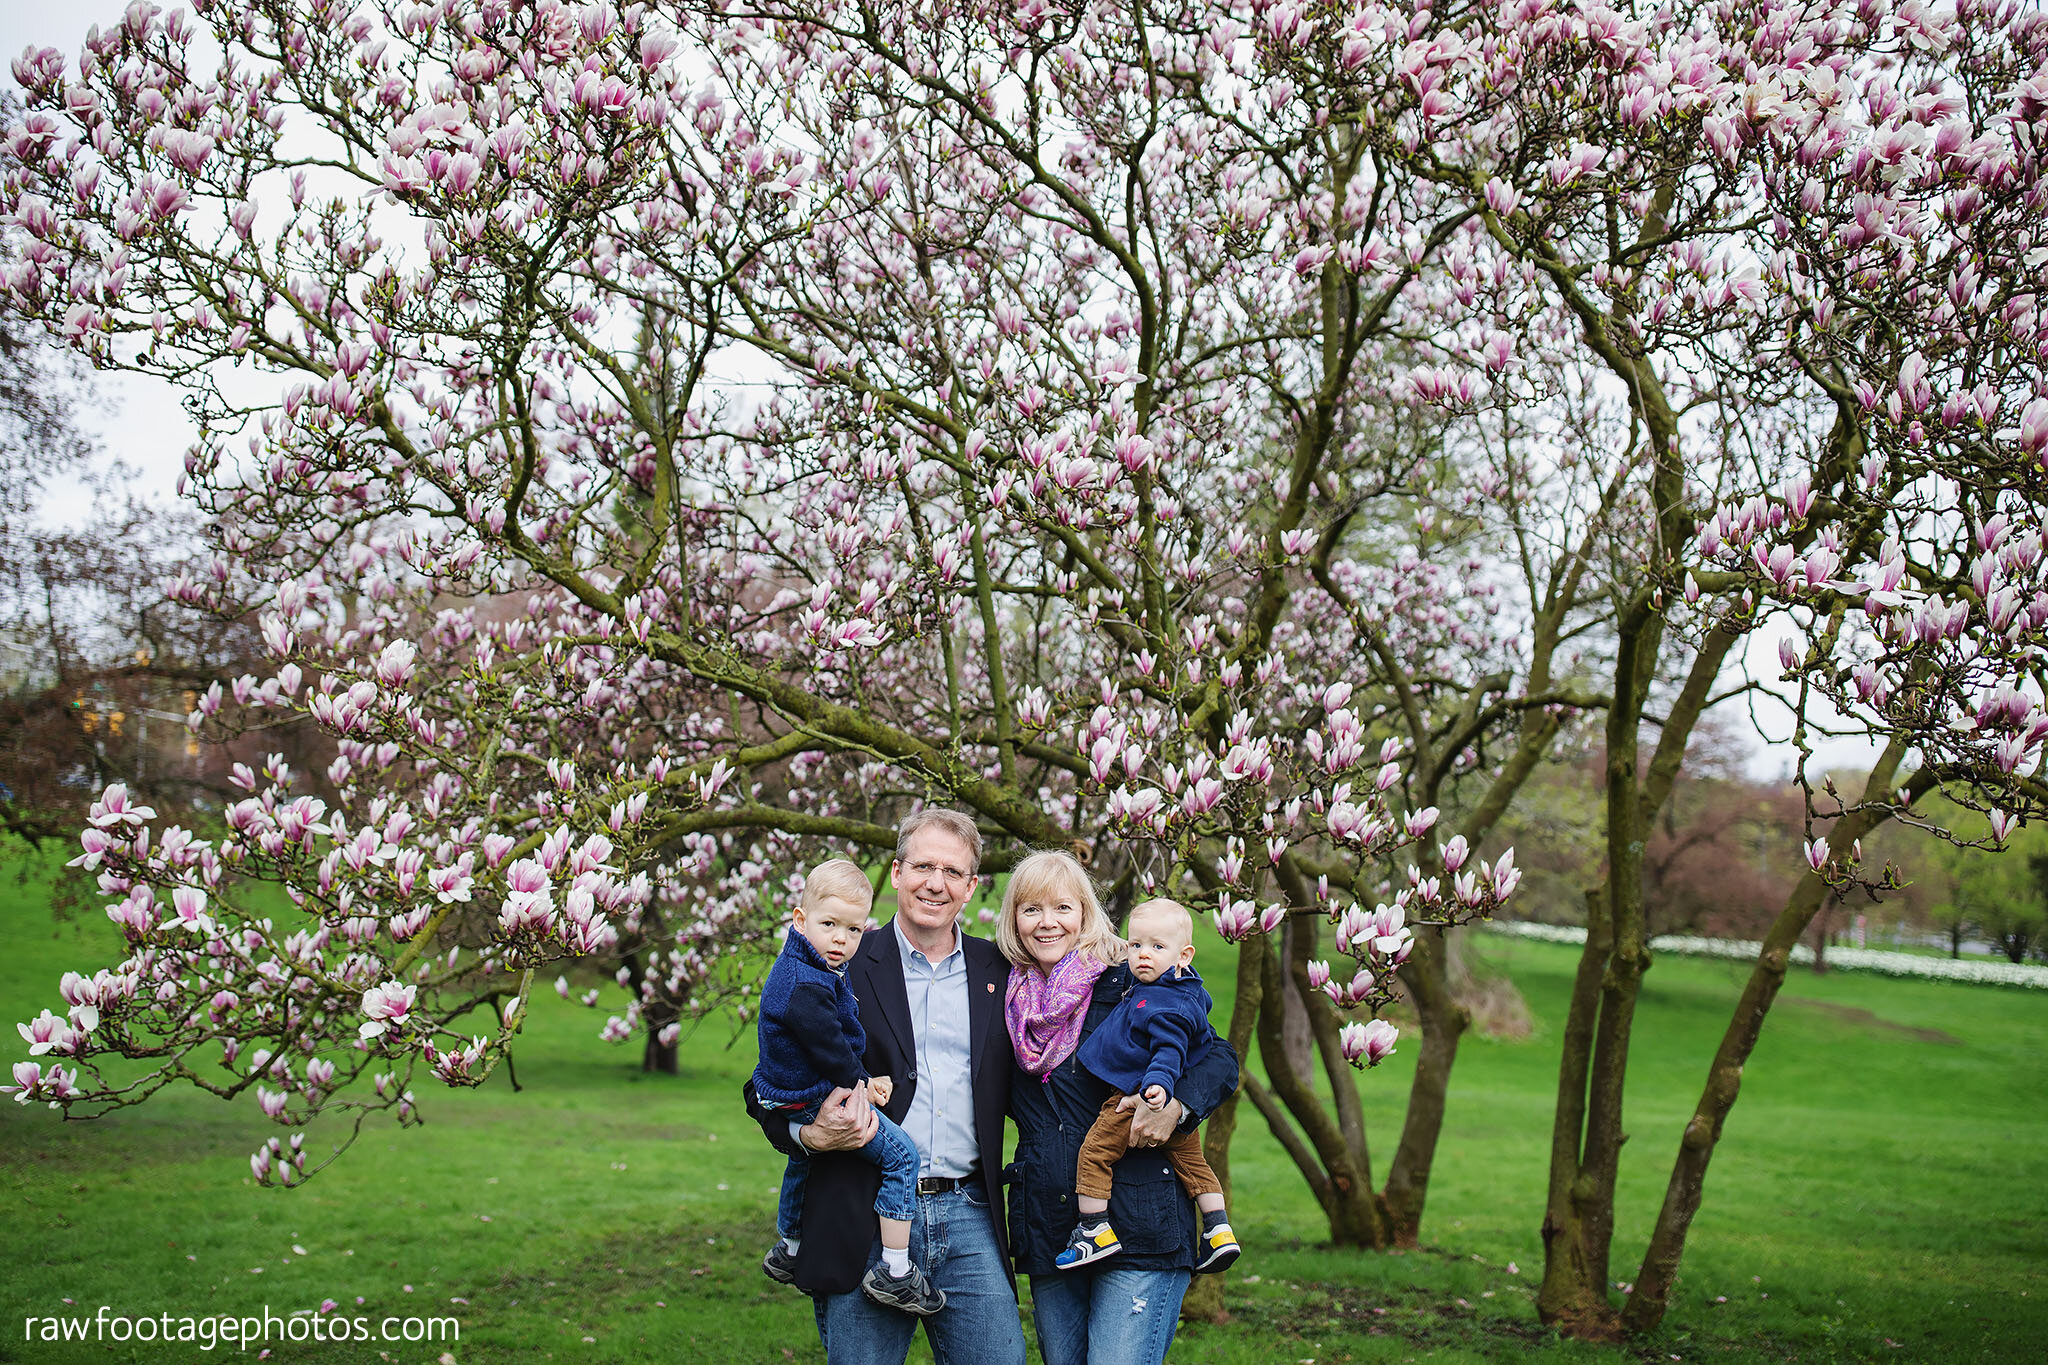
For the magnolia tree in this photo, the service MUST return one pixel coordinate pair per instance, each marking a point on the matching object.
(1217, 438)
(1903, 179)
(1789, 260)
(1090, 490)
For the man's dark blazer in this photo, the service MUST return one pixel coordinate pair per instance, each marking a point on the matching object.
(839, 1205)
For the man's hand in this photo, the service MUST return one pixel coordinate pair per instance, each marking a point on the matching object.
(1151, 1127)
(845, 1123)
(880, 1088)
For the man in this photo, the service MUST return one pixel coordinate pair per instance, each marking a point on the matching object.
(931, 1002)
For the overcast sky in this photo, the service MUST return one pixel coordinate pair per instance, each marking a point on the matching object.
(135, 417)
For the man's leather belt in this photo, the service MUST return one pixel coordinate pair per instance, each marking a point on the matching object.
(946, 1184)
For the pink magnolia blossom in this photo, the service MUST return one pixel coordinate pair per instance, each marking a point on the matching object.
(114, 810)
(49, 1033)
(188, 911)
(385, 1007)
(1371, 1042)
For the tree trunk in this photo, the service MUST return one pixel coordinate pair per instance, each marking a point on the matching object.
(1820, 935)
(1659, 1271)
(1604, 1135)
(1337, 1170)
(1572, 1297)
(1297, 1040)
(1652, 1290)
(656, 1057)
(1204, 1299)
(1587, 1134)
(1578, 1226)
(1444, 1020)
(659, 1058)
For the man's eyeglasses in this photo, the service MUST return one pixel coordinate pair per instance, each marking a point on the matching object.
(923, 872)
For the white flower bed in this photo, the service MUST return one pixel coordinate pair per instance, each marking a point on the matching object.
(1847, 959)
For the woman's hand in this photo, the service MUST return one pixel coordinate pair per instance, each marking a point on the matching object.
(845, 1123)
(1150, 1127)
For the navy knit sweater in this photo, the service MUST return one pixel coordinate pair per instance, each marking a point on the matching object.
(1154, 1032)
(811, 1038)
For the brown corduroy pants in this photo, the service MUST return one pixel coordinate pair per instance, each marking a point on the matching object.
(1109, 1137)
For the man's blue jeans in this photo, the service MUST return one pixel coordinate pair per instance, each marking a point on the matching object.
(953, 1239)
(890, 1148)
(1107, 1316)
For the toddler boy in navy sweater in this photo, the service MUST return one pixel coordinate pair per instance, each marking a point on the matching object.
(1160, 1026)
(811, 1042)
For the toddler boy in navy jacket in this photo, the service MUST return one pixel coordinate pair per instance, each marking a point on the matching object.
(1159, 1027)
(811, 1042)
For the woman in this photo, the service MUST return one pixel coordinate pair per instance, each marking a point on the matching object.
(1066, 979)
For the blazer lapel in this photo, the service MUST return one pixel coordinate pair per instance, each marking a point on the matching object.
(984, 1002)
(886, 993)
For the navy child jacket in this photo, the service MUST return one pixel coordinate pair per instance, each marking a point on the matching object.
(1153, 1034)
(811, 1038)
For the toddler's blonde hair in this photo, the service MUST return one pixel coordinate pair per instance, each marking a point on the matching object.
(837, 880)
(1168, 906)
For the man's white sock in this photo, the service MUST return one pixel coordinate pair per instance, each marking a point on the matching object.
(790, 1244)
(896, 1262)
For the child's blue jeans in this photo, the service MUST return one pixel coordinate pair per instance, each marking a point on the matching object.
(890, 1148)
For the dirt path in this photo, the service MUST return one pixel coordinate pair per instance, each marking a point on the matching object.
(1863, 1018)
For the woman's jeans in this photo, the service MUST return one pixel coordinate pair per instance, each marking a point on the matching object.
(890, 1148)
(1107, 1316)
(953, 1239)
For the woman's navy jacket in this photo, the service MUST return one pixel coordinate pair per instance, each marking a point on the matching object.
(811, 1038)
(1152, 1216)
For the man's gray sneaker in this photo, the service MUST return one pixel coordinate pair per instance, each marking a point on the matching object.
(778, 1265)
(911, 1292)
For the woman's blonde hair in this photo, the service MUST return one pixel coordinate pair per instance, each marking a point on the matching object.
(1049, 876)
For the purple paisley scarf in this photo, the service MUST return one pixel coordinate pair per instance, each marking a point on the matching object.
(1045, 1011)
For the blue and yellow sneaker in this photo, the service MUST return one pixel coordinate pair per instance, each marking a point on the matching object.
(1218, 1246)
(1091, 1242)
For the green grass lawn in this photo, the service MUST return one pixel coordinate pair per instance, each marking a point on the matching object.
(1882, 1193)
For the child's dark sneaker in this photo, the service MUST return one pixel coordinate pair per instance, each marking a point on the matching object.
(778, 1265)
(1091, 1242)
(909, 1291)
(1218, 1246)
